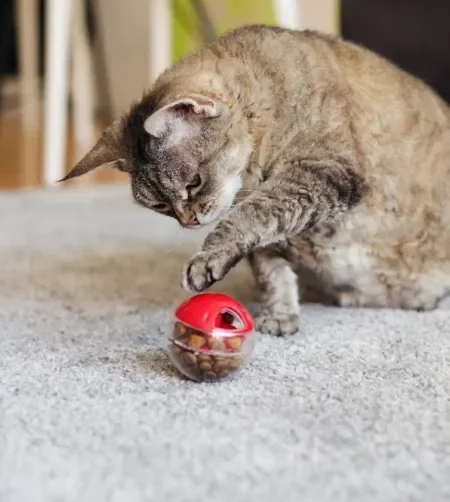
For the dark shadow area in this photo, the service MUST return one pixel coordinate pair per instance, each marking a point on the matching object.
(414, 34)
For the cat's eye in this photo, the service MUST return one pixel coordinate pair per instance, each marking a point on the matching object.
(194, 185)
(161, 206)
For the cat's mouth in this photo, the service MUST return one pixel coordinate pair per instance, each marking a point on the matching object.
(212, 217)
(197, 225)
(192, 226)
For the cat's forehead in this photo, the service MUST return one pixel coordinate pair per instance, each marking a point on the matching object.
(165, 170)
(146, 149)
(135, 135)
(156, 184)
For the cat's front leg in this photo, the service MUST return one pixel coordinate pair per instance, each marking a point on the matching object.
(256, 221)
(314, 192)
(209, 266)
(277, 282)
(280, 304)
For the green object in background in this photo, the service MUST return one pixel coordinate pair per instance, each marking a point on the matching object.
(184, 29)
(225, 15)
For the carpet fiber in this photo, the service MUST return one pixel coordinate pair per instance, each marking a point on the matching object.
(354, 408)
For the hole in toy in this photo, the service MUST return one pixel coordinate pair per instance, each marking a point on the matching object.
(228, 320)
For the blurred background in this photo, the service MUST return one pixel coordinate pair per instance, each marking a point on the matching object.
(69, 67)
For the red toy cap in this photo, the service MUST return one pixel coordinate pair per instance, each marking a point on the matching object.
(209, 312)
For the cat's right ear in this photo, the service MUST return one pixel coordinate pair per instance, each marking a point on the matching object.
(109, 151)
(182, 119)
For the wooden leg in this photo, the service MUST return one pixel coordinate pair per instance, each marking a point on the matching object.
(27, 32)
(82, 83)
(160, 37)
(56, 69)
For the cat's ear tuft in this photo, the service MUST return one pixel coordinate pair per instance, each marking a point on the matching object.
(182, 118)
(109, 151)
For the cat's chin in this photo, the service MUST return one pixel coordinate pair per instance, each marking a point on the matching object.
(192, 227)
(210, 220)
(199, 226)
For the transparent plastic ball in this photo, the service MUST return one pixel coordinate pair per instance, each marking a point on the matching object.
(211, 337)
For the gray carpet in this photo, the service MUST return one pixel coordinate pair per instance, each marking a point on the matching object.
(355, 408)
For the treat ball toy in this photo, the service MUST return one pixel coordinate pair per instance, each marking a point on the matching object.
(210, 337)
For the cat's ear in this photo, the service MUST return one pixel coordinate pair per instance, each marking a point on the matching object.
(109, 151)
(182, 119)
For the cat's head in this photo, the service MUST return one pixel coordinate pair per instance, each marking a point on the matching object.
(185, 154)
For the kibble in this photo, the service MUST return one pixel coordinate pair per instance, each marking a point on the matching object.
(234, 363)
(189, 358)
(216, 345)
(196, 341)
(235, 342)
(205, 366)
(180, 329)
(191, 347)
(219, 366)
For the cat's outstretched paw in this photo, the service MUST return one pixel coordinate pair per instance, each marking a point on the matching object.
(277, 324)
(207, 267)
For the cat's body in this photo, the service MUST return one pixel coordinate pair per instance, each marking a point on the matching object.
(341, 161)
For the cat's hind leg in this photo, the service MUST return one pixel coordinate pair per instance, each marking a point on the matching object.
(405, 297)
(280, 313)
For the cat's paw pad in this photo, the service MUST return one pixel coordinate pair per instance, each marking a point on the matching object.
(277, 324)
(205, 268)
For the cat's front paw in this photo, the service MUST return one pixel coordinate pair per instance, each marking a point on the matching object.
(207, 267)
(277, 324)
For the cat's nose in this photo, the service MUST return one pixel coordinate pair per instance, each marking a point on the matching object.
(187, 219)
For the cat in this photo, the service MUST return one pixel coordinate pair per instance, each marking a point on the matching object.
(320, 161)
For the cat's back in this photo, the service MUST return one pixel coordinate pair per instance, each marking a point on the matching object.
(285, 55)
(379, 93)
(401, 129)
(387, 102)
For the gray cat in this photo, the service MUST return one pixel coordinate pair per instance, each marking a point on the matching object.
(323, 163)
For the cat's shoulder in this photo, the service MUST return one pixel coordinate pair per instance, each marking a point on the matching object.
(269, 41)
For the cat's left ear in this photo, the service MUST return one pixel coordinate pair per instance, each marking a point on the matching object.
(182, 119)
(109, 151)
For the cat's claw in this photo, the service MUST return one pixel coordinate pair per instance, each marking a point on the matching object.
(277, 324)
(205, 268)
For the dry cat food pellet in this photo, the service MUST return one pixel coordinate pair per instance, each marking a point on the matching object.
(206, 357)
(212, 337)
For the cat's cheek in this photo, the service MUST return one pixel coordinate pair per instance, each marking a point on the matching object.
(224, 203)
(213, 216)
(228, 193)
(205, 219)
(230, 189)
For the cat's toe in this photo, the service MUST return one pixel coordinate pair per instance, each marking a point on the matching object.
(206, 268)
(277, 324)
(197, 274)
